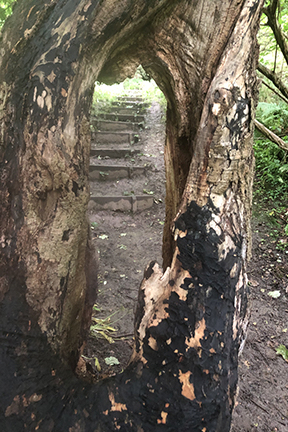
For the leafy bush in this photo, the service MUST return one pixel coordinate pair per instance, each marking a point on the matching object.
(5, 10)
(271, 170)
(274, 116)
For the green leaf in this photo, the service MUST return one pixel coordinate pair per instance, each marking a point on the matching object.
(111, 361)
(97, 364)
(283, 168)
(283, 351)
(274, 294)
(148, 192)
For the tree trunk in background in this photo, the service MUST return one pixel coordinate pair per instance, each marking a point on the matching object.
(191, 320)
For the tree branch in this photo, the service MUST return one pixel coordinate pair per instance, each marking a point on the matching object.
(275, 91)
(271, 135)
(272, 22)
(273, 7)
(274, 78)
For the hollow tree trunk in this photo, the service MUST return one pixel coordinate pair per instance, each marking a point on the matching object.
(191, 320)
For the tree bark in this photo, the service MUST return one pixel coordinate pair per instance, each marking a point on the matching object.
(190, 321)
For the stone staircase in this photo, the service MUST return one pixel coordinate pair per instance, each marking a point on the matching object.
(117, 177)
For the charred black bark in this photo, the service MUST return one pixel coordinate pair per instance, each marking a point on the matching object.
(185, 379)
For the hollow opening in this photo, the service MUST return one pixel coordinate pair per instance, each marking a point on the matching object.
(126, 208)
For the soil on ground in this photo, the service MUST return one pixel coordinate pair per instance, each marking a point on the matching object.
(127, 242)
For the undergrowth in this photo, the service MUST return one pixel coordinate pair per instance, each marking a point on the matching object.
(274, 116)
(271, 179)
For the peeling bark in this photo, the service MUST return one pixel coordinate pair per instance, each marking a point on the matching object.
(191, 321)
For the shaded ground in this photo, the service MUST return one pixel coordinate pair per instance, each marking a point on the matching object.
(128, 242)
(263, 396)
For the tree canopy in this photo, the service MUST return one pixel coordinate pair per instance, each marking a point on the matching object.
(5, 10)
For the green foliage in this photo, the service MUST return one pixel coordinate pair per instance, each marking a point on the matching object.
(271, 160)
(274, 116)
(283, 351)
(5, 10)
(271, 170)
(104, 95)
(271, 55)
(102, 328)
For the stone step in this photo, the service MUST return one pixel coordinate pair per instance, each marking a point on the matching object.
(114, 137)
(121, 203)
(116, 126)
(126, 110)
(113, 151)
(120, 117)
(114, 172)
(128, 99)
(130, 103)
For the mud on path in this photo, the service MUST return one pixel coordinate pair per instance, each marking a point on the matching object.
(127, 242)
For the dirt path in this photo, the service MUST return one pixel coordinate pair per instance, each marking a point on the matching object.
(127, 242)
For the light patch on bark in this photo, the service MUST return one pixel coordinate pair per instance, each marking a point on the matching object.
(40, 101)
(153, 343)
(35, 398)
(194, 342)
(225, 247)
(116, 406)
(187, 386)
(64, 92)
(179, 280)
(233, 271)
(179, 233)
(216, 108)
(155, 289)
(215, 227)
(218, 201)
(27, 32)
(51, 77)
(14, 408)
(163, 418)
(238, 320)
